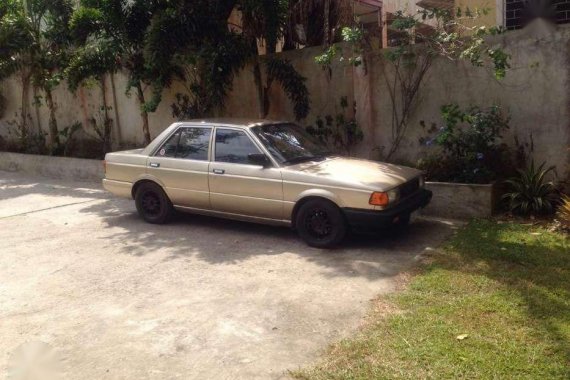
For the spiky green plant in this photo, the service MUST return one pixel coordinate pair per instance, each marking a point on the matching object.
(530, 192)
(563, 214)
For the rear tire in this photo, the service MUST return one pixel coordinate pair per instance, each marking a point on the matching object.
(153, 204)
(320, 223)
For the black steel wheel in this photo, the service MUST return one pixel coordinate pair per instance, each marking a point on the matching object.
(153, 204)
(320, 223)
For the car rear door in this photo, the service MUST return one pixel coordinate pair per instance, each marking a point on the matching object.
(181, 163)
(238, 186)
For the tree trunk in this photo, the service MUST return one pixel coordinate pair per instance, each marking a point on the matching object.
(25, 103)
(326, 23)
(262, 97)
(106, 120)
(144, 114)
(37, 109)
(116, 107)
(53, 132)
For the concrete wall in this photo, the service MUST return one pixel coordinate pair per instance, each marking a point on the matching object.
(535, 93)
(242, 101)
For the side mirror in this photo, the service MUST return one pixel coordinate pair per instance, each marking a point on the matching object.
(259, 159)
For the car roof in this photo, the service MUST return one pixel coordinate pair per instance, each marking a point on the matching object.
(231, 121)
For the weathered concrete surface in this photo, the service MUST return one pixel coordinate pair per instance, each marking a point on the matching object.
(460, 200)
(76, 169)
(199, 298)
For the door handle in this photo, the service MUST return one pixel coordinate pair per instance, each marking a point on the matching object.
(154, 164)
(219, 171)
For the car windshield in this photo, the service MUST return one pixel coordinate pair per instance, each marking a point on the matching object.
(290, 144)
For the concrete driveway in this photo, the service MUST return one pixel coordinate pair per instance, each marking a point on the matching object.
(110, 297)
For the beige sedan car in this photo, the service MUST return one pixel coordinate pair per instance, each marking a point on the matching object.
(263, 171)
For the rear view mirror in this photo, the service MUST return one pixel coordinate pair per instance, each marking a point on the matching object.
(259, 159)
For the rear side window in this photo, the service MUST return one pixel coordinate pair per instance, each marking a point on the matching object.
(194, 143)
(187, 143)
(170, 146)
(234, 146)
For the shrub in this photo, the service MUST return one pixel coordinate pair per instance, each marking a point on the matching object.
(563, 214)
(470, 146)
(530, 192)
(341, 133)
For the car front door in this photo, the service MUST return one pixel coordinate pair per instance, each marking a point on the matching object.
(182, 163)
(239, 186)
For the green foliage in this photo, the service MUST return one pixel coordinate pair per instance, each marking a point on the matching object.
(24, 140)
(35, 40)
(340, 133)
(328, 56)
(65, 139)
(470, 148)
(113, 33)
(452, 38)
(208, 76)
(90, 61)
(530, 192)
(265, 20)
(354, 36)
(282, 71)
(412, 53)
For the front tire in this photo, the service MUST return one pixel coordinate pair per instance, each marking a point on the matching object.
(153, 204)
(320, 223)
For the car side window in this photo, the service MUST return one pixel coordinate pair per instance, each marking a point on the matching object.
(187, 143)
(168, 149)
(194, 143)
(234, 146)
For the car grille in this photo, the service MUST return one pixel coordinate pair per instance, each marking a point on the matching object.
(409, 187)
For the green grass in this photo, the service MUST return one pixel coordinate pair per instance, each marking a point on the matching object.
(505, 285)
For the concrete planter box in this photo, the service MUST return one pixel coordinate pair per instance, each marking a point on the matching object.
(77, 169)
(461, 200)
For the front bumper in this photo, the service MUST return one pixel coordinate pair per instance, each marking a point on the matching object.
(373, 220)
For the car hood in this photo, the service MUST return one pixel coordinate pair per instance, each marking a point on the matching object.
(361, 173)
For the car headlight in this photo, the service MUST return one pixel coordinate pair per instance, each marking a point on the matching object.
(394, 195)
(379, 198)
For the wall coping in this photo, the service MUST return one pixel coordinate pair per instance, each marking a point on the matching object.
(65, 168)
(459, 184)
(51, 157)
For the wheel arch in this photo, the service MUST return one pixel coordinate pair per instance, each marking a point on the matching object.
(142, 180)
(304, 198)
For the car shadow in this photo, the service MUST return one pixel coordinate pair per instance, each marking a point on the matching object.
(221, 241)
(224, 242)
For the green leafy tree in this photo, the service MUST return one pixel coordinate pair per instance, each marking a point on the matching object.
(193, 38)
(413, 52)
(35, 41)
(264, 23)
(115, 33)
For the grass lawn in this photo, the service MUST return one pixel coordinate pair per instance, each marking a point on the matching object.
(505, 286)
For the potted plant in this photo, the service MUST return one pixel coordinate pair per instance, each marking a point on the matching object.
(466, 160)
